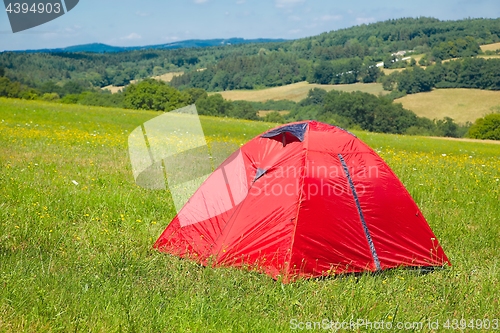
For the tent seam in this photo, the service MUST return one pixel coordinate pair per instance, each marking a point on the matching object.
(360, 212)
(305, 148)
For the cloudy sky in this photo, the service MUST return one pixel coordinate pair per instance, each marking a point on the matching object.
(145, 22)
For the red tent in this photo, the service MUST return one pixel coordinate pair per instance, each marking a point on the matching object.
(302, 200)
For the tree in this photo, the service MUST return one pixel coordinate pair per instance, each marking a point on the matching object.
(152, 94)
(424, 61)
(50, 97)
(487, 128)
(121, 80)
(195, 94)
(214, 105)
(72, 87)
(274, 117)
(369, 72)
(9, 89)
(411, 80)
(243, 110)
(447, 127)
(315, 96)
(323, 73)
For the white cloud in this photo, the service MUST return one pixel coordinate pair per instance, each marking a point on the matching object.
(142, 14)
(365, 20)
(294, 31)
(171, 38)
(200, 1)
(240, 2)
(294, 18)
(132, 36)
(287, 3)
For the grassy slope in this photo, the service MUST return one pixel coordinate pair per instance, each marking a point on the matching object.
(297, 91)
(167, 77)
(79, 258)
(460, 104)
(490, 47)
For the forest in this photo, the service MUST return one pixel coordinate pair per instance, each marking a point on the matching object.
(448, 59)
(475, 73)
(232, 66)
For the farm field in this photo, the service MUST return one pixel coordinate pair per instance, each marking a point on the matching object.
(490, 47)
(417, 57)
(496, 56)
(167, 77)
(298, 91)
(113, 89)
(76, 236)
(460, 104)
(263, 113)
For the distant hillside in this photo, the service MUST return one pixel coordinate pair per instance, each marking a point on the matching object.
(337, 57)
(298, 91)
(104, 48)
(462, 105)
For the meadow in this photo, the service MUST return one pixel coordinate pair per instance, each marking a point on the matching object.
(490, 47)
(462, 105)
(167, 77)
(298, 91)
(76, 236)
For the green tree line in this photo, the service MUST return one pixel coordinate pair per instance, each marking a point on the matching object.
(350, 110)
(285, 62)
(475, 73)
(371, 113)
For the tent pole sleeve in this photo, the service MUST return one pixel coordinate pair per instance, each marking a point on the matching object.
(361, 216)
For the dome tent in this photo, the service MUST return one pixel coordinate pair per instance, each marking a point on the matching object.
(305, 199)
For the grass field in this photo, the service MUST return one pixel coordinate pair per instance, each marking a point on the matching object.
(76, 236)
(263, 113)
(460, 104)
(388, 71)
(298, 91)
(490, 47)
(167, 77)
(495, 56)
(112, 88)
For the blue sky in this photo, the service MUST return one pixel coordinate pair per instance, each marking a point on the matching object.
(128, 22)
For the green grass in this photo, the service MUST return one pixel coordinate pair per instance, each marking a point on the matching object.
(79, 258)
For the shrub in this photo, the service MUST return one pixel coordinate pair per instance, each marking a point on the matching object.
(487, 128)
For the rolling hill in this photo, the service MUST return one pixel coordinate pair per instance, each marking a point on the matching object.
(104, 48)
(462, 105)
(297, 91)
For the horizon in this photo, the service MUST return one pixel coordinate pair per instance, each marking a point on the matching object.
(148, 45)
(149, 23)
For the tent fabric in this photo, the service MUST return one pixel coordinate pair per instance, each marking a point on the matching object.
(321, 203)
(297, 130)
